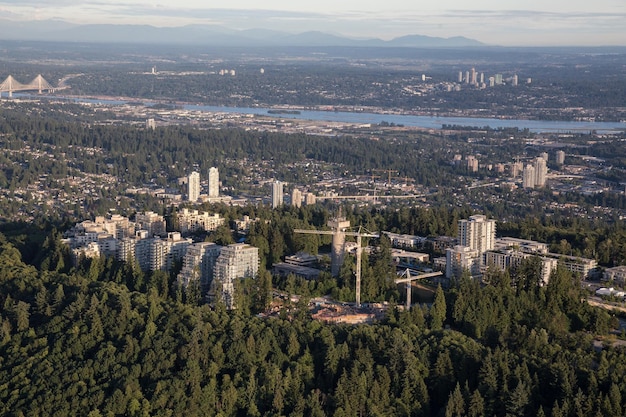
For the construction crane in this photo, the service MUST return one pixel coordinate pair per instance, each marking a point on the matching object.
(339, 233)
(408, 280)
(388, 171)
(405, 179)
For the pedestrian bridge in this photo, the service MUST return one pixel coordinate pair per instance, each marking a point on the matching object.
(10, 84)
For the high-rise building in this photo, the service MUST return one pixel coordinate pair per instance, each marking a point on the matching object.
(472, 163)
(515, 80)
(477, 233)
(467, 77)
(544, 155)
(560, 157)
(193, 186)
(234, 262)
(528, 177)
(277, 194)
(214, 182)
(310, 199)
(460, 76)
(198, 265)
(541, 170)
(296, 198)
(498, 79)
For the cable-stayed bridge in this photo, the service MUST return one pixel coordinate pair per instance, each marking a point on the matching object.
(39, 84)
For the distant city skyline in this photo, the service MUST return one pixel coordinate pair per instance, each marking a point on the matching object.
(537, 23)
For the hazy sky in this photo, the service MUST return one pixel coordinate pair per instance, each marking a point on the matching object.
(532, 22)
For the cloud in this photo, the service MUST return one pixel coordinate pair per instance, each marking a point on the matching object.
(507, 26)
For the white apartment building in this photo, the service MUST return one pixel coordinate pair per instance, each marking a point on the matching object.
(193, 186)
(541, 170)
(277, 194)
(512, 258)
(296, 198)
(477, 233)
(192, 220)
(234, 262)
(199, 264)
(214, 182)
(461, 258)
(528, 177)
(153, 223)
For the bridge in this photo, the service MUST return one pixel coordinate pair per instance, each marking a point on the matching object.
(37, 84)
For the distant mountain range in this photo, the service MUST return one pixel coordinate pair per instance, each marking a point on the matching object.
(60, 31)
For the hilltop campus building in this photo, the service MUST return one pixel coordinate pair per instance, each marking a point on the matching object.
(144, 241)
(478, 248)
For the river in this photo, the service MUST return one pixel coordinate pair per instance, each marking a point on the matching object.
(426, 122)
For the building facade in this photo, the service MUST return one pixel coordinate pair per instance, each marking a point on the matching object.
(190, 221)
(198, 265)
(214, 182)
(477, 233)
(193, 186)
(234, 262)
(277, 194)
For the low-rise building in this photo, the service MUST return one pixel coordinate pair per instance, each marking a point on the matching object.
(616, 274)
(190, 221)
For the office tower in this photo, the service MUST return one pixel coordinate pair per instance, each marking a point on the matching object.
(467, 77)
(528, 177)
(560, 157)
(482, 78)
(541, 170)
(214, 182)
(296, 198)
(515, 80)
(477, 233)
(492, 81)
(498, 79)
(277, 194)
(193, 186)
(473, 80)
(234, 262)
(460, 76)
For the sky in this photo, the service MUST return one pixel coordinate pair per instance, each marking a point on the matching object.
(497, 22)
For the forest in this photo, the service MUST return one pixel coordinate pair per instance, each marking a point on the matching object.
(104, 339)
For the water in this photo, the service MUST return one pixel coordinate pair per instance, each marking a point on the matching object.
(426, 122)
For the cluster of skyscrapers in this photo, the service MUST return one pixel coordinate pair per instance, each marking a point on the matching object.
(194, 186)
(297, 197)
(534, 175)
(476, 79)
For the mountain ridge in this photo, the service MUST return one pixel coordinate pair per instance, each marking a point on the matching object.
(61, 31)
